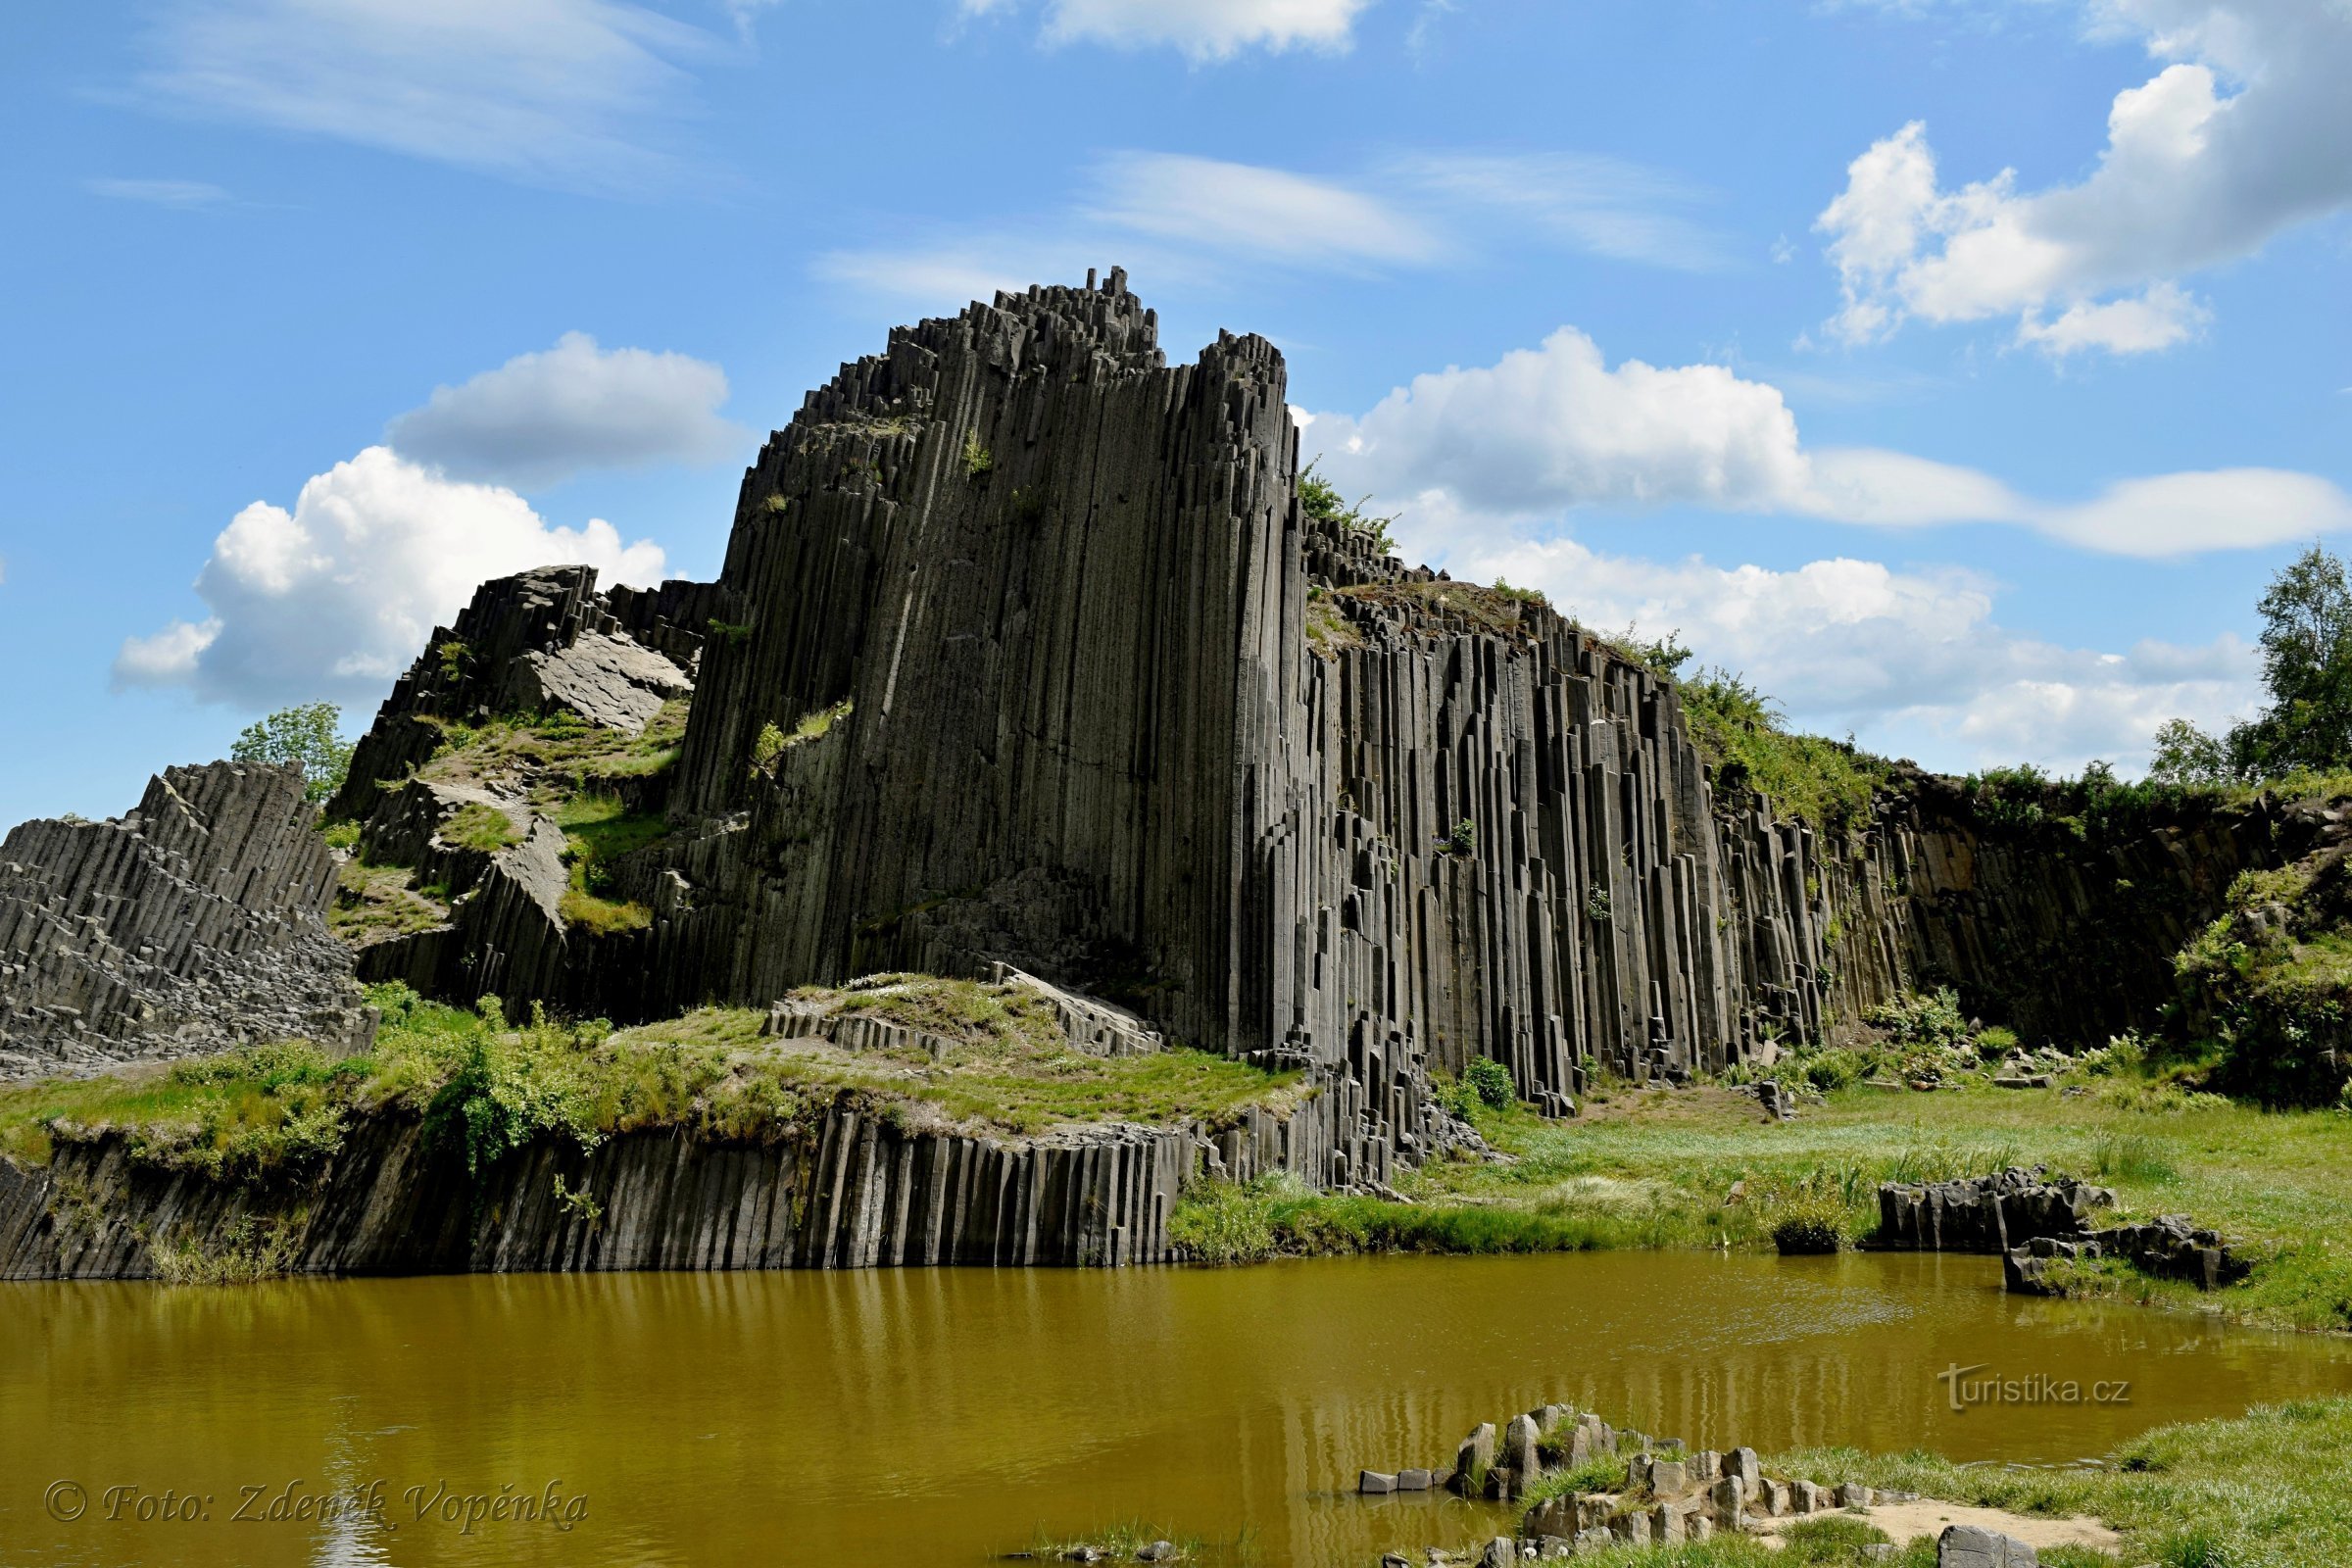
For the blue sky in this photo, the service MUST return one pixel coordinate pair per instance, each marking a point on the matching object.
(1957, 372)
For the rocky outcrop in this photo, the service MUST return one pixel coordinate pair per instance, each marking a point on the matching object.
(1994, 1214)
(1009, 662)
(1662, 1494)
(192, 924)
(855, 1188)
(538, 643)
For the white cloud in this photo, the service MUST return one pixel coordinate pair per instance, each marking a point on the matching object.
(1910, 663)
(541, 417)
(1246, 210)
(1583, 202)
(1548, 429)
(1183, 219)
(2241, 135)
(572, 93)
(336, 597)
(186, 193)
(1202, 29)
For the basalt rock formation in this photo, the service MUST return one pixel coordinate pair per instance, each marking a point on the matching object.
(193, 923)
(860, 1192)
(1026, 652)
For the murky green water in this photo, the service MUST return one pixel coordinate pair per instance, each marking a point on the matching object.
(936, 1416)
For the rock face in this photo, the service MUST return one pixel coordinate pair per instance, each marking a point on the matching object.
(856, 1190)
(193, 923)
(1010, 663)
(1987, 1213)
(538, 643)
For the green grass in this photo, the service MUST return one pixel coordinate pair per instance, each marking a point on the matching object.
(373, 903)
(1745, 744)
(1653, 1169)
(556, 757)
(475, 826)
(486, 1085)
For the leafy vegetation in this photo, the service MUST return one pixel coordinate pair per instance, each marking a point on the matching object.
(2272, 1488)
(549, 759)
(2270, 985)
(2307, 673)
(976, 457)
(308, 734)
(773, 742)
(1745, 742)
(1323, 504)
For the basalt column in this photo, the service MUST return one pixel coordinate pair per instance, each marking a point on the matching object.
(1013, 656)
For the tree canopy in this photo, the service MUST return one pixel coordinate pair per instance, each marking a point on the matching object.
(2306, 670)
(307, 733)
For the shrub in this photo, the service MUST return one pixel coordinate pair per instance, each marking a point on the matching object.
(976, 457)
(1994, 1042)
(506, 1092)
(1916, 1020)
(1490, 1082)
(1222, 1222)
(1747, 744)
(1809, 1223)
(1321, 501)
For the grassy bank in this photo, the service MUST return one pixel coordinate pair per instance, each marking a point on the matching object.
(486, 1085)
(1702, 1168)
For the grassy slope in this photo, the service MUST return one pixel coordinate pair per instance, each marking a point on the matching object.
(273, 1109)
(1654, 1169)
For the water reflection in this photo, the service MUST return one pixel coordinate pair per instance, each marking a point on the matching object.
(949, 1413)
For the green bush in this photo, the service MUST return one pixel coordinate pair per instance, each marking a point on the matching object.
(1490, 1082)
(1809, 1223)
(1931, 1019)
(506, 1092)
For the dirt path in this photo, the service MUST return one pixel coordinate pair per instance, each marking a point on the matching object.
(1904, 1521)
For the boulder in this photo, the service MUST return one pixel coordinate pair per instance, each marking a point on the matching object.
(1969, 1547)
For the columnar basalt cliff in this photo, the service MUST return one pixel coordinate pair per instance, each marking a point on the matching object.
(1027, 659)
(1010, 662)
(193, 923)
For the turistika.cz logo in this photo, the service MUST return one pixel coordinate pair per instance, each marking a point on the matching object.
(1965, 1389)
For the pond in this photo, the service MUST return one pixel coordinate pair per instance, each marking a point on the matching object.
(944, 1416)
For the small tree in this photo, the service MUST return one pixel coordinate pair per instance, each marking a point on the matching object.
(2186, 756)
(2307, 669)
(305, 734)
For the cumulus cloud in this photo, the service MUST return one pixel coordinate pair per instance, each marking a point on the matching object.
(1911, 662)
(2239, 136)
(1555, 427)
(337, 596)
(541, 417)
(572, 93)
(1202, 29)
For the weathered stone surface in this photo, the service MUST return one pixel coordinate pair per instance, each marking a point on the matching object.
(195, 922)
(1968, 1546)
(534, 644)
(857, 1191)
(1987, 1213)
